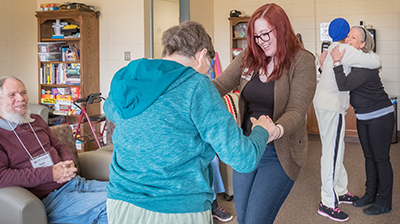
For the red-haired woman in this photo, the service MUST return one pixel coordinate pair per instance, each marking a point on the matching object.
(276, 76)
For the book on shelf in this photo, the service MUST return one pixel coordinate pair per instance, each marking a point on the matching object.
(60, 74)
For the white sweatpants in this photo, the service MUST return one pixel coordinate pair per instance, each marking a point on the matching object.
(333, 174)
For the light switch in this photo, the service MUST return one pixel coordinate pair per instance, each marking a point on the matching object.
(128, 55)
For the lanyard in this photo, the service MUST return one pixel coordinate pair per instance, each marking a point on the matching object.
(23, 143)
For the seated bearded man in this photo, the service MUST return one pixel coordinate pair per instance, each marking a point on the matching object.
(32, 157)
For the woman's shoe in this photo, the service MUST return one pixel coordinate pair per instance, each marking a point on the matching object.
(376, 209)
(363, 201)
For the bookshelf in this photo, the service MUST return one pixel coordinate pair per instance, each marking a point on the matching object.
(81, 62)
(238, 33)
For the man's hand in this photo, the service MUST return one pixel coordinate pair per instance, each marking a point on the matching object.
(268, 124)
(64, 171)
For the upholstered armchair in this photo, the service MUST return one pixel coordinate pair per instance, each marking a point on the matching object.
(19, 206)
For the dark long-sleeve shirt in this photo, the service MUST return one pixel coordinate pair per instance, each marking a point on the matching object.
(15, 166)
(366, 89)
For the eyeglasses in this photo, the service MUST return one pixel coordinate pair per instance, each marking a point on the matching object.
(264, 36)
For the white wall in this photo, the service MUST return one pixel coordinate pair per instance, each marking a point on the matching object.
(202, 11)
(166, 15)
(18, 47)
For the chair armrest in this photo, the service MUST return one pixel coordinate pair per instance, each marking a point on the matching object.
(95, 165)
(20, 206)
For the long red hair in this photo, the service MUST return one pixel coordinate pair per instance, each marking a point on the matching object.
(287, 42)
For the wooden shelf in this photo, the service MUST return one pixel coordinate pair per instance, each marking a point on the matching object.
(55, 85)
(59, 62)
(235, 20)
(60, 39)
(88, 44)
(73, 115)
(239, 38)
(236, 42)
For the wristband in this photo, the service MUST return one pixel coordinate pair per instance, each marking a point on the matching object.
(280, 131)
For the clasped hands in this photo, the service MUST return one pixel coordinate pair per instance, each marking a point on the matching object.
(64, 171)
(266, 122)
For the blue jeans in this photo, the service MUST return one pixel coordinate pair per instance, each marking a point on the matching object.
(78, 201)
(260, 194)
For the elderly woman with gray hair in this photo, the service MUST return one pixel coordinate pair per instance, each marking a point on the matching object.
(375, 121)
(170, 122)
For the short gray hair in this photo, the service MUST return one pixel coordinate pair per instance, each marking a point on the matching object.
(365, 38)
(187, 39)
(3, 80)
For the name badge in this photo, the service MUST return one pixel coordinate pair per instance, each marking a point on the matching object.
(247, 77)
(43, 160)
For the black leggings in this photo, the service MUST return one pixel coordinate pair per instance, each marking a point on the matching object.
(375, 137)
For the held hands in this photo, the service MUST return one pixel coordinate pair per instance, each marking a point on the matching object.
(64, 171)
(268, 124)
(336, 54)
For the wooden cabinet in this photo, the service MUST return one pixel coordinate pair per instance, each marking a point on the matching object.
(87, 58)
(238, 32)
(350, 118)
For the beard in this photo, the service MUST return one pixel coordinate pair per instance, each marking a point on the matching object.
(16, 118)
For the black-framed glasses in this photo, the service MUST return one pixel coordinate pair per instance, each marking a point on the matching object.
(264, 36)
